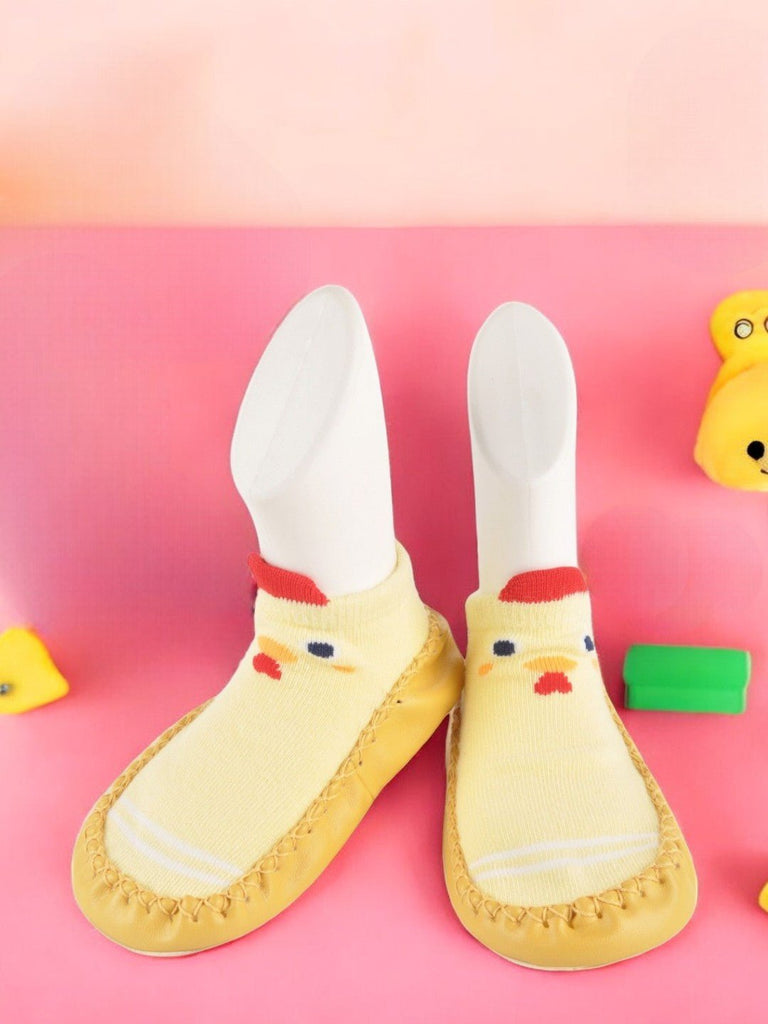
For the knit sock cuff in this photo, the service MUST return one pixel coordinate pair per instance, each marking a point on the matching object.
(559, 598)
(396, 595)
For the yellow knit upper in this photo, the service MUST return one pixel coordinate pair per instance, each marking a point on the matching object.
(549, 805)
(234, 781)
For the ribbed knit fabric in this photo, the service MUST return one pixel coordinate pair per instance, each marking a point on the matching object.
(224, 790)
(549, 805)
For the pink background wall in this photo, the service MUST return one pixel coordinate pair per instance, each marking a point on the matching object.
(123, 357)
(430, 111)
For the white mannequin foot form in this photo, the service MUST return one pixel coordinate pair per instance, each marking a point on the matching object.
(309, 452)
(522, 416)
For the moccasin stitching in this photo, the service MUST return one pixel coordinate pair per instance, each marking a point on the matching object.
(667, 857)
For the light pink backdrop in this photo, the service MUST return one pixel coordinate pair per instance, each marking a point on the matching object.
(382, 112)
(123, 357)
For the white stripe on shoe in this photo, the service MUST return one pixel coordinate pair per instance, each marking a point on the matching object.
(561, 862)
(169, 839)
(563, 844)
(159, 857)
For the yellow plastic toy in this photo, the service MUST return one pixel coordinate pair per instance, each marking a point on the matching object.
(28, 676)
(732, 445)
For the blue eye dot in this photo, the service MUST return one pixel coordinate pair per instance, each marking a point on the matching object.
(589, 643)
(503, 648)
(320, 649)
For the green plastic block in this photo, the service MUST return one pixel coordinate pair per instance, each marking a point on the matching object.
(666, 678)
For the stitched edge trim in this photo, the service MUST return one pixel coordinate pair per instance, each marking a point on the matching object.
(671, 849)
(220, 902)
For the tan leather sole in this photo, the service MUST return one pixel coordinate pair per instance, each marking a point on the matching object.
(151, 923)
(641, 913)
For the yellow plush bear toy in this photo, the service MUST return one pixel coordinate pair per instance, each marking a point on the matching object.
(732, 444)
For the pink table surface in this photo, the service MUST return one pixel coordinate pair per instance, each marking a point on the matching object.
(123, 357)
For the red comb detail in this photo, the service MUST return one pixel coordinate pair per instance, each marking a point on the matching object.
(283, 583)
(544, 585)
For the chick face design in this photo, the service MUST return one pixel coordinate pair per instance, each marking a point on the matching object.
(548, 666)
(537, 637)
(732, 441)
(273, 656)
(292, 643)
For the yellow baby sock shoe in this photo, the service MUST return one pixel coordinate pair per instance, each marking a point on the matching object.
(237, 808)
(559, 848)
